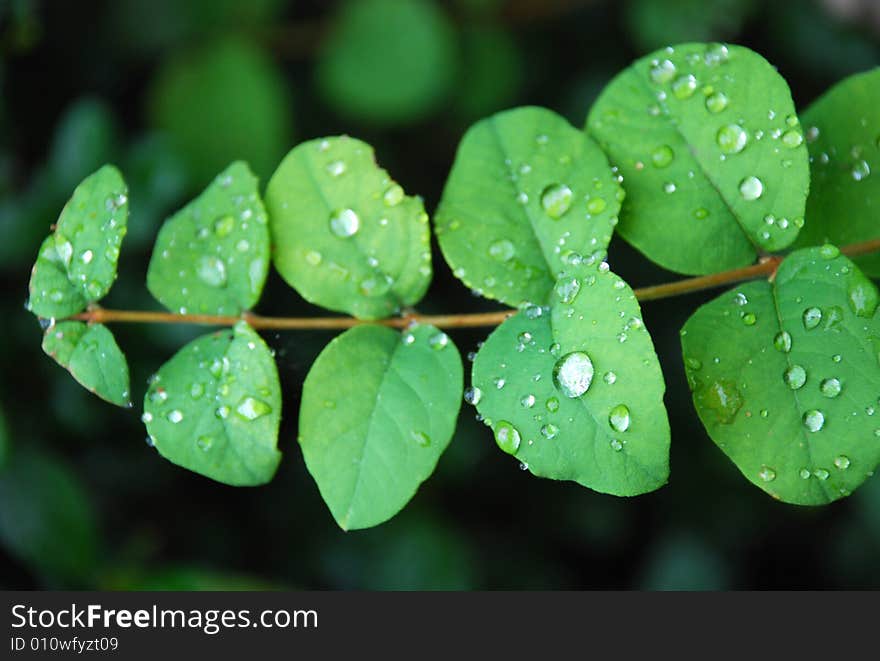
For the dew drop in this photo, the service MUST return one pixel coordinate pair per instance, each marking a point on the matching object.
(619, 418)
(507, 437)
(549, 431)
(473, 396)
(212, 271)
(344, 223)
(732, 139)
(662, 72)
(223, 226)
(596, 205)
(205, 442)
(251, 408)
(812, 317)
(662, 156)
(573, 374)
(313, 257)
(751, 188)
(842, 462)
(782, 341)
(175, 416)
(814, 420)
(716, 102)
(438, 341)
(616, 445)
(556, 200)
(684, 86)
(552, 405)
(610, 378)
(792, 139)
(567, 289)
(421, 438)
(767, 474)
(860, 171)
(502, 250)
(795, 377)
(528, 401)
(393, 196)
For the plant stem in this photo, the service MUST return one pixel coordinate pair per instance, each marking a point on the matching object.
(766, 267)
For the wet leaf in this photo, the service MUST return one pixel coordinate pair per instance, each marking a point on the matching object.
(528, 195)
(76, 264)
(843, 136)
(212, 256)
(785, 377)
(712, 155)
(91, 355)
(577, 393)
(378, 409)
(346, 237)
(215, 407)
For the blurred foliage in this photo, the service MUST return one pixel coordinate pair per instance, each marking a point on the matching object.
(171, 92)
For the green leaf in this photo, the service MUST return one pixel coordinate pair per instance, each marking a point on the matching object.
(577, 394)
(378, 410)
(844, 141)
(345, 235)
(76, 264)
(527, 195)
(225, 101)
(785, 377)
(212, 256)
(46, 519)
(91, 355)
(387, 61)
(215, 407)
(711, 153)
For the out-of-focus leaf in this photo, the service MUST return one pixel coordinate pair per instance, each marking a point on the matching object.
(491, 71)
(653, 24)
(87, 136)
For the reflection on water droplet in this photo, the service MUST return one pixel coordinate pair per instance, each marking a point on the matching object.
(556, 200)
(573, 374)
(814, 420)
(507, 437)
(438, 341)
(344, 223)
(860, 171)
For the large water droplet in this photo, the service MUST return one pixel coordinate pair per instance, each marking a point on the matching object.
(251, 408)
(473, 396)
(662, 156)
(662, 72)
(573, 374)
(619, 418)
(502, 250)
(716, 102)
(812, 317)
(751, 188)
(732, 138)
(842, 462)
(830, 387)
(795, 377)
(567, 289)
(556, 200)
(684, 86)
(862, 295)
(507, 437)
(814, 420)
(344, 222)
(212, 271)
(782, 341)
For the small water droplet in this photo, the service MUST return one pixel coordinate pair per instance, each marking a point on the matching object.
(663, 71)
(567, 289)
(251, 408)
(812, 317)
(552, 405)
(662, 156)
(205, 442)
(830, 387)
(556, 200)
(842, 462)
(860, 171)
(336, 168)
(175, 416)
(767, 474)
(792, 139)
(610, 378)
(438, 341)
(421, 438)
(212, 271)
(684, 86)
(782, 341)
(619, 418)
(502, 250)
(393, 196)
(749, 319)
(223, 226)
(596, 205)
(616, 445)
(313, 257)
(716, 102)
(549, 431)
(473, 396)
(732, 139)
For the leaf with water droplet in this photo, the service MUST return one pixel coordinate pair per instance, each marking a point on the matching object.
(843, 133)
(76, 264)
(728, 162)
(227, 428)
(369, 455)
(563, 208)
(817, 380)
(91, 355)
(604, 424)
(198, 265)
(353, 243)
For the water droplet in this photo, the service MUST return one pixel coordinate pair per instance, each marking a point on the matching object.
(814, 420)
(473, 396)
(211, 271)
(860, 171)
(223, 226)
(438, 341)
(87, 256)
(344, 223)
(313, 257)
(528, 401)
(499, 383)
(842, 462)
(64, 248)
(619, 418)
(596, 205)
(662, 72)
(669, 187)
(507, 437)
(662, 156)
(830, 387)
(556, 200)
(421, 438)
(684, 86)
(862, 295)
(251, 408)
(782, 342)
(393, 196)
(573, 374)
(828, 251)
(567, 289)
(812, 317)
(767, 474)
(795, 377)
(732, 139)
(336, 168)
(616, 445)
(549, 431)
(610, 378)
(205, 442)
(821, 473)
(222, 412)
(147, 417)
(701, 213)
(552, 405)
(749, 319)
(175, 416)
(722, 398)
(751, 188)
(716, 102)
(196, 390)
(792, 139)
(502, 250)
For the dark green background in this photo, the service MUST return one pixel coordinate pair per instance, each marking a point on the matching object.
(85, 503)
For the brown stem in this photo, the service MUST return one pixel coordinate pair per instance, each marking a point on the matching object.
(766, 267)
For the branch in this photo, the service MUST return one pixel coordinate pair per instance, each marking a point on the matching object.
(766, 267)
